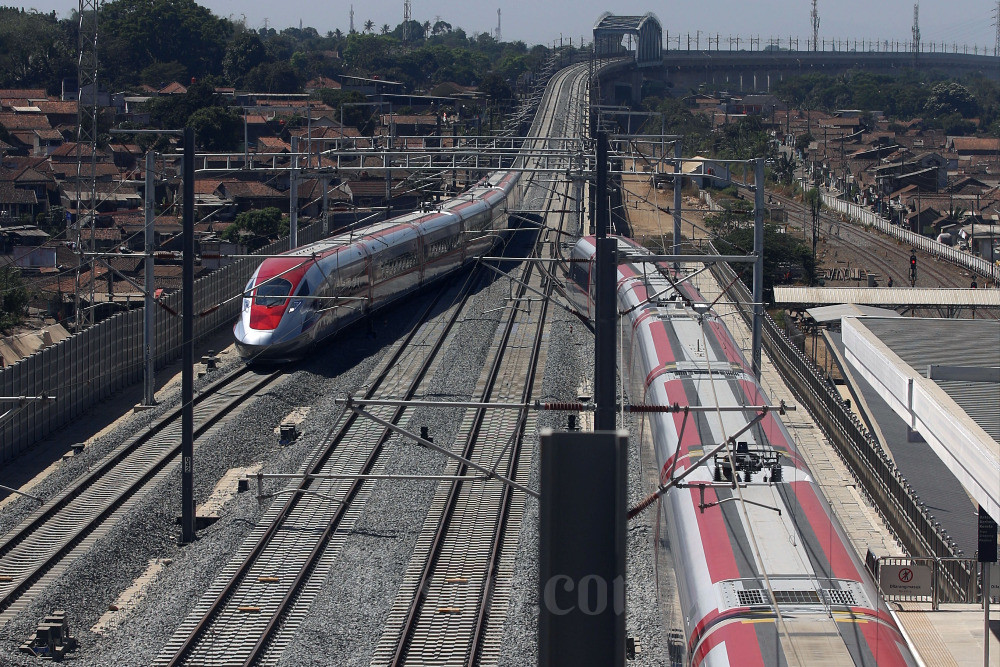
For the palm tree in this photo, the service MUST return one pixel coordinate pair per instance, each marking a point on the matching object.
(338, 33)
(385, 28)
(427, 28)
(369, 26)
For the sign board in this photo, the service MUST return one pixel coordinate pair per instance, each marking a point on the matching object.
(995, 580)
(987, 538)
(905, 579)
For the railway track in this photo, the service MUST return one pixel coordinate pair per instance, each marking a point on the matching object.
(887, 255)
(451, 607)
(254, 608)
(47, 542)
(262, 598)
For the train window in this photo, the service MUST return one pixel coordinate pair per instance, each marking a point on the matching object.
(273, 292)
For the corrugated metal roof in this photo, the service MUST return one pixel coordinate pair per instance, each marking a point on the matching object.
(888, 296)
(922, 342)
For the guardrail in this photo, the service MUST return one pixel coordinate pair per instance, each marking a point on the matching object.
(872, 219)
(880, 480)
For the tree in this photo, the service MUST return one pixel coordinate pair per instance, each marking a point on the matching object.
(277, 77)
(385, 29)
(784, 169)
(245, 52)
(369, 26)
(785, 256)
(440, 27)
(498, 90)
(142, 32)
(216, 129)
(814, 202)
(259, 225)
(14, 298)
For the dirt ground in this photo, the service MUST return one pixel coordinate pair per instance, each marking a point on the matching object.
(650, 211)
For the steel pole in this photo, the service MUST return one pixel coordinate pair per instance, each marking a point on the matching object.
(326, 206)
(149, 312)
(293, 198)
(605, 363)
(758, 266)
(187, 376)
(986, 613)
(678, 171)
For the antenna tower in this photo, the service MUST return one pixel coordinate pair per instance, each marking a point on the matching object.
(996, 47)
(916, 28)
(86, 145)
(406, 21)
(498, 35)
(352, 20)
(814, 15)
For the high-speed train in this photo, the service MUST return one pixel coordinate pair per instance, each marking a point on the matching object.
(765, 573)
(302, 296)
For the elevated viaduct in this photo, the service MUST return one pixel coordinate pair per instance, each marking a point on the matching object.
(681, 72)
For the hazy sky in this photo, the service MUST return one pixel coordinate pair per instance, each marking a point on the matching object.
(541, 21)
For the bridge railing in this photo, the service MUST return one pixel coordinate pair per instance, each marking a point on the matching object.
(879, 478)
(701, 41)
(975, 264)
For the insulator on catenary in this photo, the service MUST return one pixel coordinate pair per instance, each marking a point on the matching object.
(642, 407)
(570, 407)
(642, 504)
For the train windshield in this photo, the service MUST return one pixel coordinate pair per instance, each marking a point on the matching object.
(273, 292)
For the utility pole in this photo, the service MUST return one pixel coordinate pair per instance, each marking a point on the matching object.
(187, 343)
(86, 136)
(149, 312)
(293, 198)
(916, 29)
(814, 15)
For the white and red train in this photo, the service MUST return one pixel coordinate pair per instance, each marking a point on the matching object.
(738, 551)
(300, 297)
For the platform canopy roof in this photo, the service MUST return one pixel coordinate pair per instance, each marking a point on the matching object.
(888, 296)
(942, 376)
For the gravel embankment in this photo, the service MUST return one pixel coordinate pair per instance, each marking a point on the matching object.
(150, 530)
(570, 359)
(345, 623)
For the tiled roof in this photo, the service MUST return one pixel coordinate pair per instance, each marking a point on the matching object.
(173, 88)
(206, 186)
(274, 144)
(234, 189)
(11, 195)
(59, 107)
(22, 93)
(24, 121)
(975, 144)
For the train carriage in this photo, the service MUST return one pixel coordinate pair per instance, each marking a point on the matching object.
(766, 575)
(301, 297)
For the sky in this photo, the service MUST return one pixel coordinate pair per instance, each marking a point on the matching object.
(540, 22)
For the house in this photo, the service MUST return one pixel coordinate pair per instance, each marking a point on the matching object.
(968, 146)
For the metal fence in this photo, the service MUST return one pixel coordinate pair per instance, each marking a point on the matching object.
(942, 580)
(880, 480)
(90, 366)
(870, 219)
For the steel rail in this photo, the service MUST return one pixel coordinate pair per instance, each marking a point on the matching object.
(140, 459)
